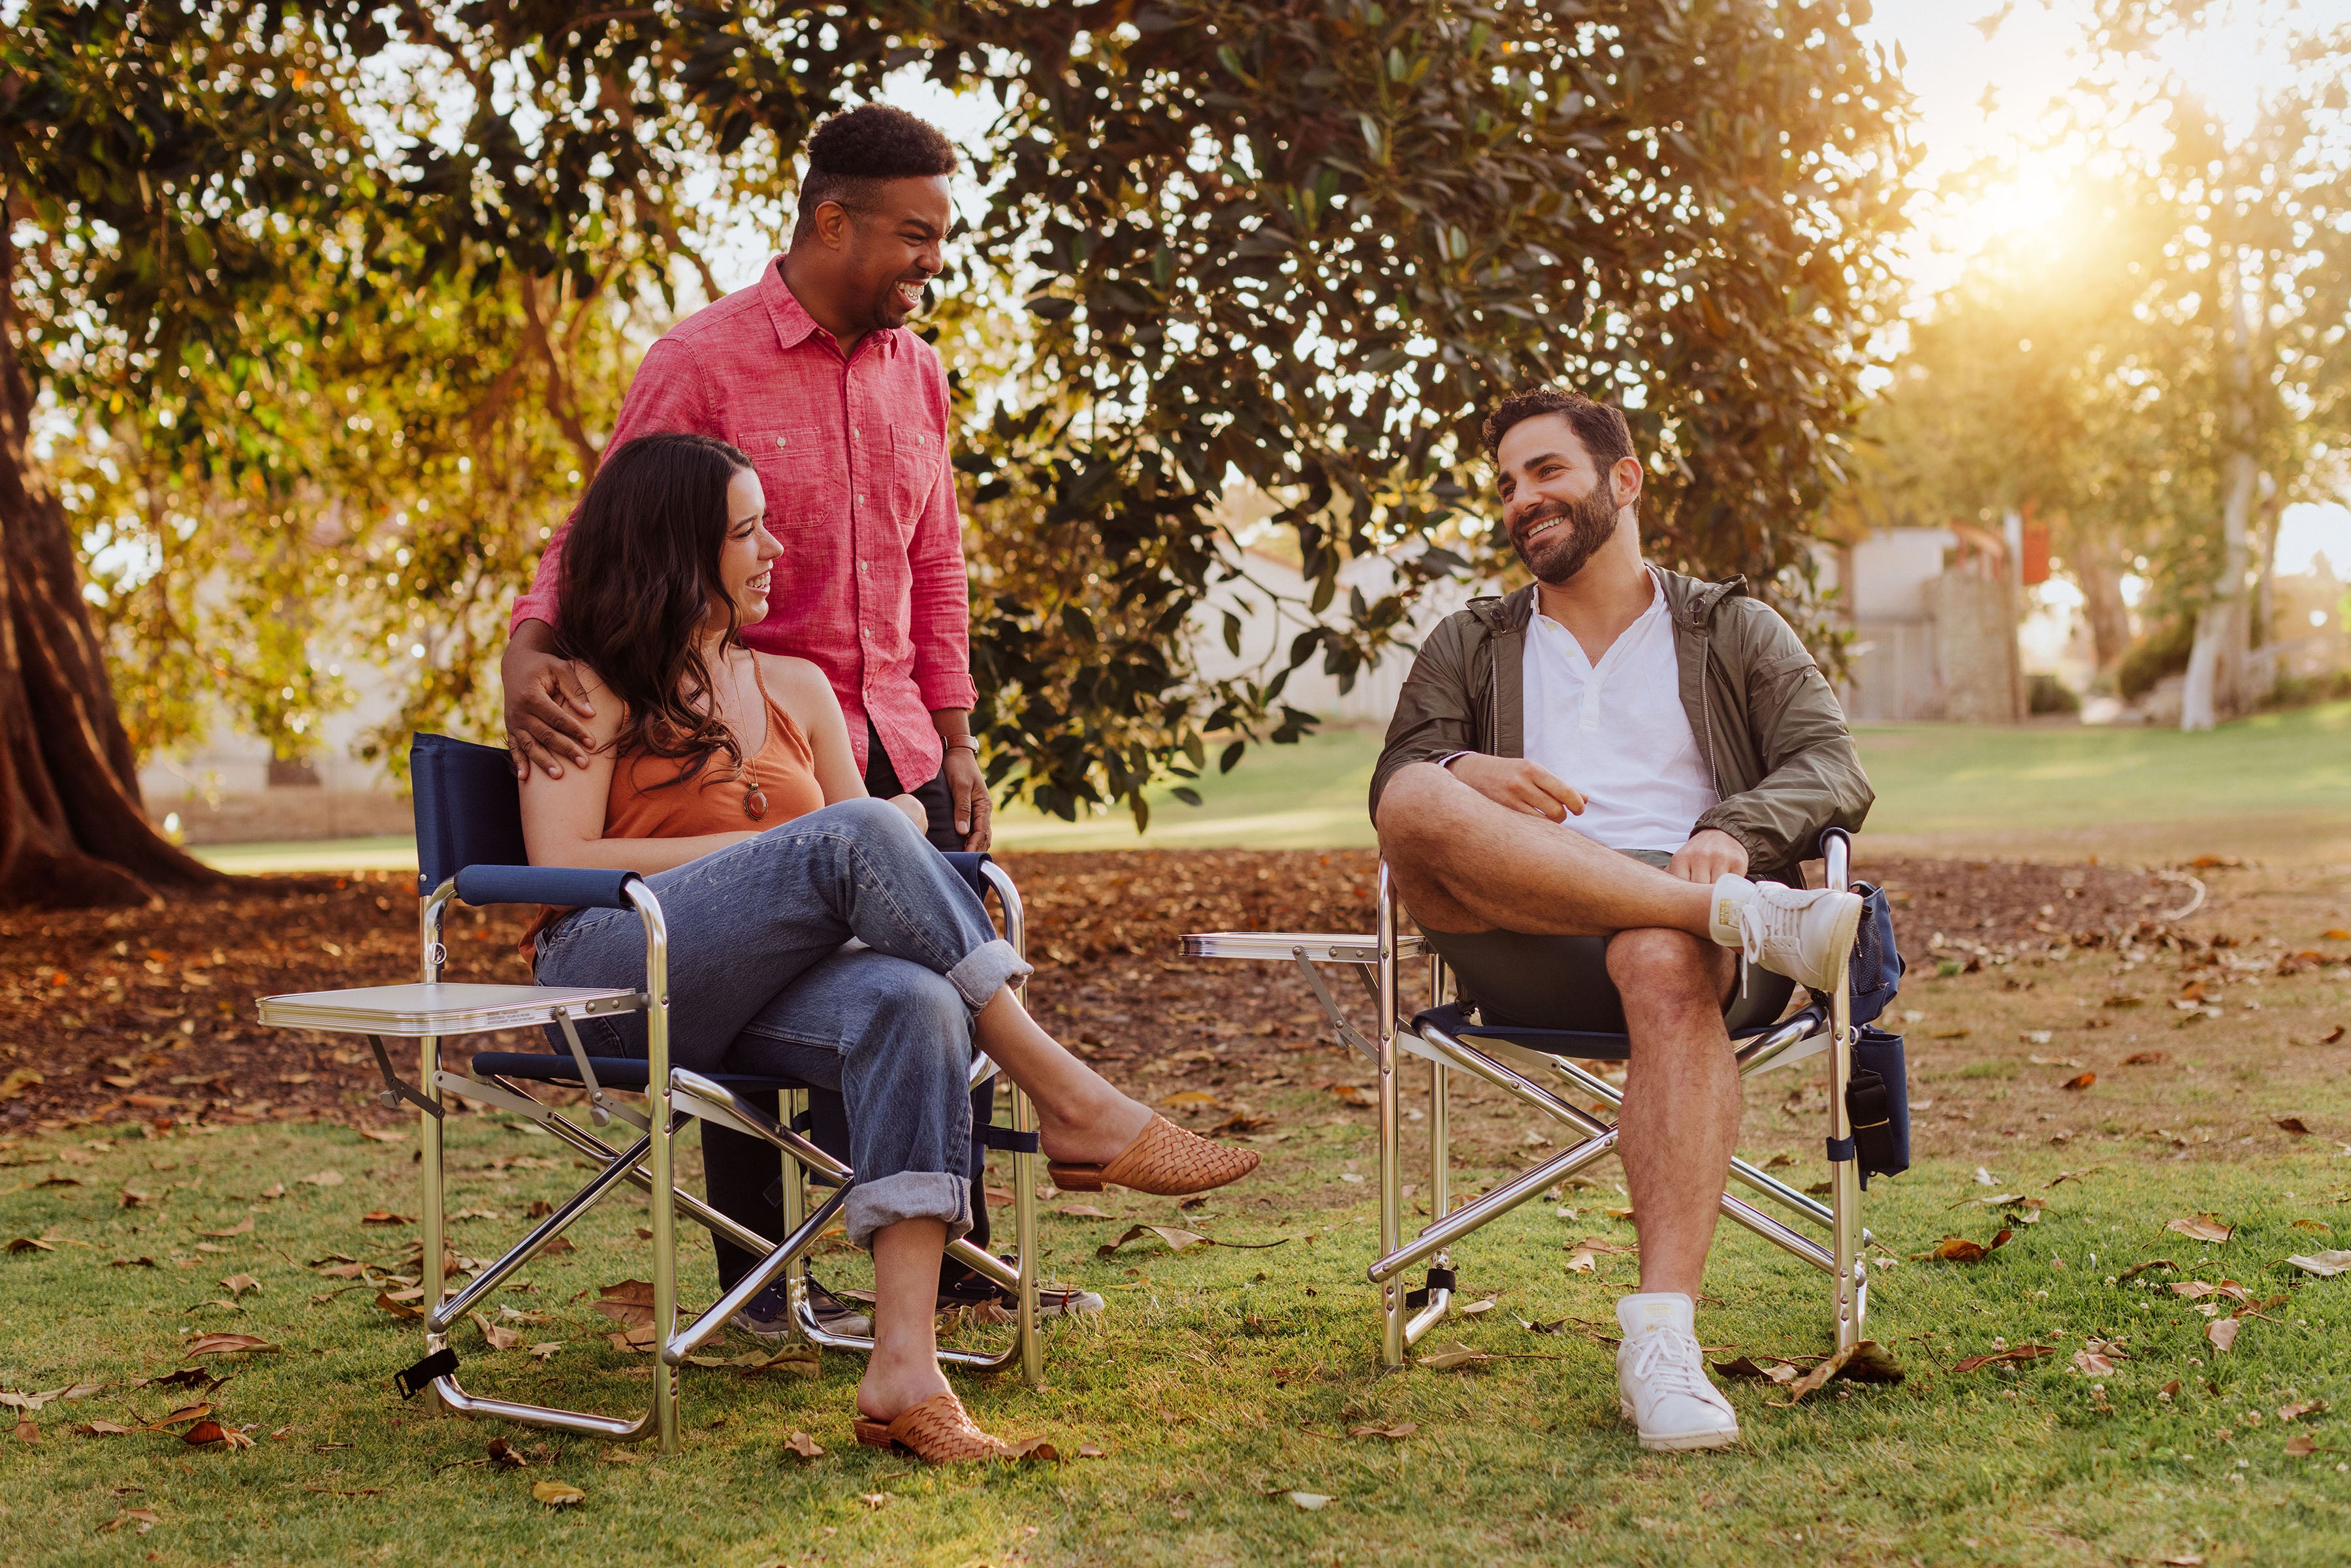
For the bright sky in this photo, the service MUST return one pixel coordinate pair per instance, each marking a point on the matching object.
(1982, 97)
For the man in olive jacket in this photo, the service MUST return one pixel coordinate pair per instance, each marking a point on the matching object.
(1595, 796)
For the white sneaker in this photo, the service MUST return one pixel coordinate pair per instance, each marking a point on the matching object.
(1661, 1382)
(1805, 934)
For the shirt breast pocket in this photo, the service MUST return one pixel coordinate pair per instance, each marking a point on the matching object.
(804, 481)
(917, 465)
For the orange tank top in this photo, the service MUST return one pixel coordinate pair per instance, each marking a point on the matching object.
(645, 800)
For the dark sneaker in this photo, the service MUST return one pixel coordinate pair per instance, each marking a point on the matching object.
(769, 1317)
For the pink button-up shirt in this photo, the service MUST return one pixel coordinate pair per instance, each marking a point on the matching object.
(854, 457)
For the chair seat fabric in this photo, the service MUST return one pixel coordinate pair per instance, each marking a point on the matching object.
(611, 1072)
(1587, 1046)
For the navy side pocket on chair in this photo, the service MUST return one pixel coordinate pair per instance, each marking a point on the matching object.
(1876, 964)
(1877, 1101)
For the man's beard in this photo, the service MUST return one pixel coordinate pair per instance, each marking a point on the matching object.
(1585, 525)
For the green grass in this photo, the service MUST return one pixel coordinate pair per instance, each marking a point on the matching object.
(2279, 784)
(1217, 1381)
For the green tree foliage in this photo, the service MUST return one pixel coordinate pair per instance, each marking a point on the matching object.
(1299, 245)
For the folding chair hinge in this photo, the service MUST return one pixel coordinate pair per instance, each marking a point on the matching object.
(413, 1380)
(1347, 1033)
(601, 1107)
(1438, 1279)
(395, 1091)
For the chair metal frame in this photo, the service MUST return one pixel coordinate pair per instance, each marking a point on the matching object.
(431, 1011)
(1822, 1028)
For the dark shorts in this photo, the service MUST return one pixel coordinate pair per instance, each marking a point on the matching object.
(1562, 982)
(881, 782)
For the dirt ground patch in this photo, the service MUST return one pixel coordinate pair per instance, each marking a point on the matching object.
(2023, 978)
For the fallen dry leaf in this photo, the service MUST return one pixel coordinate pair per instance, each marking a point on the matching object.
(1177, 1241)
(1354, 1094)
(558, 1494)
(2222, 1332)
(2290, 1124)
(26, 1432)
(228, 1345)
(2013, 1353)
(241, 1229)
(2313, 1225)
(129, 1197)
(505, 1455)
(402, 1309)
(2325, 1265)
(1476, 1309)
(2202, 1227)
(1081, 1211)
(2079, 1080)
(2092, 1365)
(805, 1446)
(2297, 1410)
(639, 1338)
(2135, 1270)
(1401, 1429)
(498, 1338)
(386, 1216)
(102, 1429)
(1748, 1366)
(238, 1284)
(145, 1519)
(1190, 1097)
(1959, 1250)
(2143, 1058)
(1863, 1362)
(391, 1136)
(544, 1351)
(628, 1301)
(874, 1498)
(1090, 1451)
(30, 1244)
(324, 1178)
(2333, 1036)
(1451, 1357)
(203, 1434)
(1309, 1500)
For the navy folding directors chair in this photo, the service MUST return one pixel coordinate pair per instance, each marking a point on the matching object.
(470, 848)
(1868, 1130)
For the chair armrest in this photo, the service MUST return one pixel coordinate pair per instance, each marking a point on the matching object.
(581, 888)
(1836, 858)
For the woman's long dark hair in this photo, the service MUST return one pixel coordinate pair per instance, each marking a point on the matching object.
(638, 575)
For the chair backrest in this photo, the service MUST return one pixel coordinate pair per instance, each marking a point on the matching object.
(468, 808)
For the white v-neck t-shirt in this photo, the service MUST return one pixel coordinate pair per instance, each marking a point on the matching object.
(1617, 731)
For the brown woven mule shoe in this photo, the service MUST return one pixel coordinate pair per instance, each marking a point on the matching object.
(938, 1431)
(1164, 1161)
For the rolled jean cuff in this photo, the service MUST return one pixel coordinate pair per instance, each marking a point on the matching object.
(986, 970)
(909, 1195)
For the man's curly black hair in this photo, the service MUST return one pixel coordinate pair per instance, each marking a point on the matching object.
(854, 152)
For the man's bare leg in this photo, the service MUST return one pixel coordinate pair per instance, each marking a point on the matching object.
(1681, 1098)
(1463, 863)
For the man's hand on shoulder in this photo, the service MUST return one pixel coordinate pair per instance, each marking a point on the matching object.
(1520, 785)
(1711, 855)
(546, 703)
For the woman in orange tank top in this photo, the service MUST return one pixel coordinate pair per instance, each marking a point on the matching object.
(726, 777)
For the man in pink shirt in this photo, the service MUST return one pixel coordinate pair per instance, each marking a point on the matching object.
(812, 371)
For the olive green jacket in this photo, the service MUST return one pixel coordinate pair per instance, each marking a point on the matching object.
(1768, 725)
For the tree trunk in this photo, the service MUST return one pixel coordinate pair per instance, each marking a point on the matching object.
(2097, 568)
(2216, 664)
(73, 833)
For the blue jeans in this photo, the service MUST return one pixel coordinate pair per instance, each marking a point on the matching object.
(837, 949)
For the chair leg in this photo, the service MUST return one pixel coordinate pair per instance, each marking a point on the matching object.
(1845, 1173)
(1391, 1163)
(1024, 1237)
(432, 1164)
(795, 1181)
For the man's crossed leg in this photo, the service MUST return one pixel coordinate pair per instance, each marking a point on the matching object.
(1464, 864)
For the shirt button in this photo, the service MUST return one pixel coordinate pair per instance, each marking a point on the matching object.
(783, 441)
